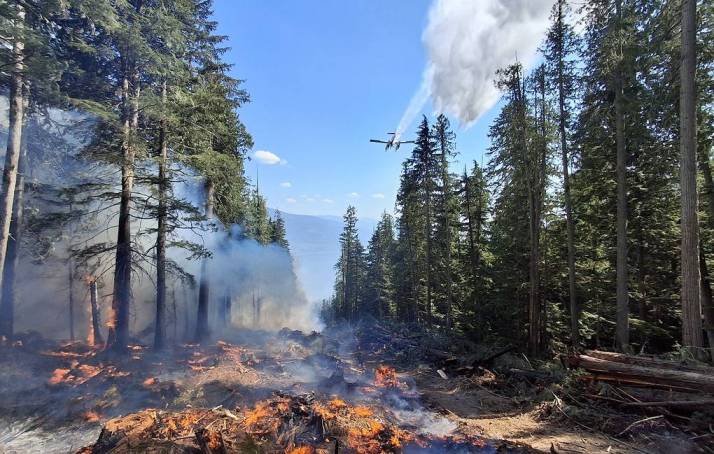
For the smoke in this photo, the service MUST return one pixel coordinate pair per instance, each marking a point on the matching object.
(466, 42)
(259, 279)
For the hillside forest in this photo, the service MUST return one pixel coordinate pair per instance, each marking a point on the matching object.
(589, 221)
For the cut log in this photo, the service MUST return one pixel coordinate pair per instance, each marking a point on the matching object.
(678, 404)
(644, 376)
(648, 361)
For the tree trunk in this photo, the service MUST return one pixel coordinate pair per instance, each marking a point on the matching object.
(472, 246)
(446, 182)
(7, 304)
(96, 338)
(427, 232)
(707, 301)
(574, 309)
(70, 292)
(706, 297)
(14, 141)
(691, 305)
(533, 164)
(622, 335)
(119, 337)
(160, 329)
(202, 331)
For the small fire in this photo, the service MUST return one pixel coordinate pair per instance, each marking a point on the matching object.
(302, 450)
(363, 412)
(58, 376)
(91, 416)
(265, 418)
(386, 377)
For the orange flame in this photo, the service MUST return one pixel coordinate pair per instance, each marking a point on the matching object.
(386, 377)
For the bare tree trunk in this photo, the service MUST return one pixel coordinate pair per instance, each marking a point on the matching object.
(472, 245)
(446, 181)
(533, 163)
(160, 329)
(186, 312)
(202, 331)
(97, 338)
(574, 309)
(7, 304)
(707, 301)
(691, 305)
(622, 335)
(708, 192)
(119, 336)
(427, 232)
(14, 140)
(70, 293)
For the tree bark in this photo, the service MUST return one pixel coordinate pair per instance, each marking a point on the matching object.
(690, 294)
(7, 304)
(570, 224)
(446, 182)
(427, 233)
(70, 291)
(14, 141)
(97, 338)
(160, 329)
(622, 328)
(202, 331)
(707, 301)
(472, 246)
(119, 337)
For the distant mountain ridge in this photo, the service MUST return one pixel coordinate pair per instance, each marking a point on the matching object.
(314, 243)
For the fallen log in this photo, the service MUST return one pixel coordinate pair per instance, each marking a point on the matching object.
(644, 376)
(648, 361)
(486, 362)
(678, 404)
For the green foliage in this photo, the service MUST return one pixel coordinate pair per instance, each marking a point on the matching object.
(479, 230)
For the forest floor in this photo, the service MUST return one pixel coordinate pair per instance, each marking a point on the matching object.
(372, 392)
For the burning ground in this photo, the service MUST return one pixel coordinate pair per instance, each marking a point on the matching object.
(364, 390)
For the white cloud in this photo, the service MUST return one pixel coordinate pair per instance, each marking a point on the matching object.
(310, 199)
(268, 158)
(290, 200)
(286, 184)
(354, 195)
(377, 195)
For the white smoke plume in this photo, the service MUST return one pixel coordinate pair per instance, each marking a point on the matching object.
(466, 42)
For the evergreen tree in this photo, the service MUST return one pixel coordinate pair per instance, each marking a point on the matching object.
(278, 233)
(379, 285)
(447, 213)
(350, 270)
(561, 48)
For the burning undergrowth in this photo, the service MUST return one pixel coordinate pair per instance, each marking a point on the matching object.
(253, 392)
(284, 423)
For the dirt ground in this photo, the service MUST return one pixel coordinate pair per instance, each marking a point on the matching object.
(496, 416)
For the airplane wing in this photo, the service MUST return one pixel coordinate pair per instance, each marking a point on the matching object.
(407, 141)
(377, 141)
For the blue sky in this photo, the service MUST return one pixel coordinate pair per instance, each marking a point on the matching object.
(325, 76)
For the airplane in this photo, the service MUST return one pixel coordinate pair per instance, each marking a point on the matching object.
(392, 143)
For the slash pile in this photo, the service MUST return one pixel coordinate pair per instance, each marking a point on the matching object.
(283, 423)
